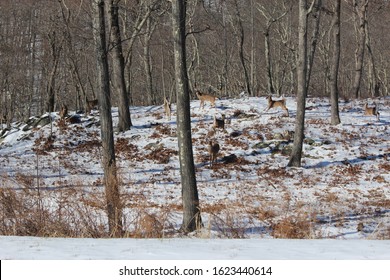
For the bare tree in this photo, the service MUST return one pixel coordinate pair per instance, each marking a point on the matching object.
(239, 32)
(136, 20)
(114, 207)
(73, 55)
(271, 18)
(223, 59)
(191, 211)
(360, 15)
(296, 153)
(118, 64)
(150, 27)
(55, 52)
(334, 91)
(316, 15)
(373, 80)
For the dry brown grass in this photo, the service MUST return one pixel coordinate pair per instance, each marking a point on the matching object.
(300, 226)
(229, 224)
(264, 213)
(382, 232)
(330, 197)
(150, 224)
(76, 213)
(25, 213)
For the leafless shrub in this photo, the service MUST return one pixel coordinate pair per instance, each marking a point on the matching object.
(264, 214)
(25, 213)
(293, 227)
(147, 226)
(230, 224)
(150, 223)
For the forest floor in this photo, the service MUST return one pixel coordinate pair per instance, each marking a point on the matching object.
(51, 175)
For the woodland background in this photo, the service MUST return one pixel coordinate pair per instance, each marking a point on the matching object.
(47, 51)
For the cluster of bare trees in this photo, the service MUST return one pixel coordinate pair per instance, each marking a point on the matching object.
(123, 52)
(191, 216)
(47, 58)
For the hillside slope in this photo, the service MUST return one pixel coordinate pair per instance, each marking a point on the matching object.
(342, 190)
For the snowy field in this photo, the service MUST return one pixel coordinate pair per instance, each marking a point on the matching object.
(36, 248)
(252, 205)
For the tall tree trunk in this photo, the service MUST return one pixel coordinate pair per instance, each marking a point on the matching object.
(240, 36)
(268, 63)
(55, 49)
(139, 22)
(373, 77)
(114, 207)
(313, 42)
(252, 68)
(73, 57)
(225, 70)
(194, 61)
(296, 153)
(148, 62)
(360, 9)
(50, 101)
(191, 211)
(118, 65)
(334, 92)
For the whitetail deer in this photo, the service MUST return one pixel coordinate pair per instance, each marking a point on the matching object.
(167, 108)
(277, 103)
(63, 112)
(203, 97)
(219, 123)
(371, 111)
(213, 152)
(91, 104)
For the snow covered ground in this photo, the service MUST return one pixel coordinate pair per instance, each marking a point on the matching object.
(86, 258)
(36, 248)
(252, 205)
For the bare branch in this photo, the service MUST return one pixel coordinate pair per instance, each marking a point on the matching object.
(311, 7)
(199, 31)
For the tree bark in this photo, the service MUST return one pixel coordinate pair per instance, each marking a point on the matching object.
(240, 37)
(268, 64)
(114, 207)
(139, 22)
(334, 92)
(118, 65)
(360, 9)
(191, 211)
(296, 153)
(55, 49)
(148, 61)
(313, 43)
(73, 57)
(225, 70)
(374, 84)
